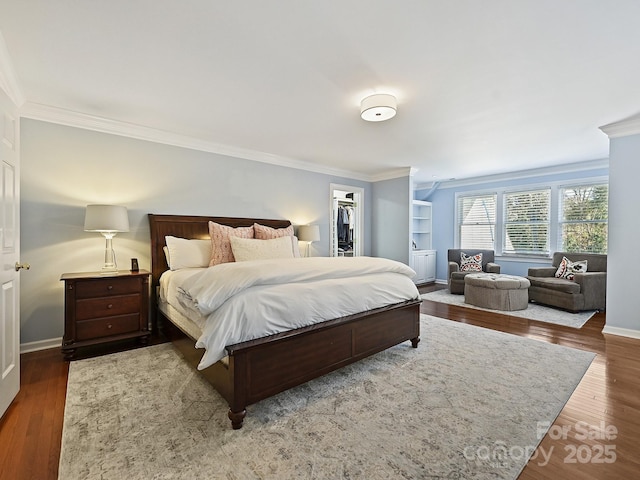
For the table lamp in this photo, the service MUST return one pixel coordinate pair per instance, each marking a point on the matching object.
(107, 220)
(308, 233)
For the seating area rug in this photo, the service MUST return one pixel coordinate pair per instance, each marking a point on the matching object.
(533, 311)
(468, 403)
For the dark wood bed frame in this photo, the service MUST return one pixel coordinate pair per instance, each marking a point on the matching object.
(260, 368)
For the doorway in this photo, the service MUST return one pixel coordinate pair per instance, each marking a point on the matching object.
(346, 220)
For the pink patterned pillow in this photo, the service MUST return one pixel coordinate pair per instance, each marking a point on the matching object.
(470, 263)
(221, 245)
(262, 232)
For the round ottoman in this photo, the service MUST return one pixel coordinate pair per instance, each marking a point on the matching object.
(496, 291)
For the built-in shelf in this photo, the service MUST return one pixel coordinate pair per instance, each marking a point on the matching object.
(423, 258)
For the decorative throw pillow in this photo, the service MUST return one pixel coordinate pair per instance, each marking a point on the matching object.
(470, 263)
(220, 245)
(267, 233)
(245, 249)
(567, 269)
(185, 253)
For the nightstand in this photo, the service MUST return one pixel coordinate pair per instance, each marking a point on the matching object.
(100, 308)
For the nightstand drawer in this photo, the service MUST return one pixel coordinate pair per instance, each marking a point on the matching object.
(106, 327)
(107, 286)
(107, 306)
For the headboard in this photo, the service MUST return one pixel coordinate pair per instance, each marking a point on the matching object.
(189, 226)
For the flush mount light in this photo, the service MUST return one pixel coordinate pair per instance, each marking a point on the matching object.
(378, 107)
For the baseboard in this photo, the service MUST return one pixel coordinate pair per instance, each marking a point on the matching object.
(40, 345)
(622, 332)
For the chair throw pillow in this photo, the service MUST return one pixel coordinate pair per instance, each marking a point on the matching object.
(470, 263)
(567, 269)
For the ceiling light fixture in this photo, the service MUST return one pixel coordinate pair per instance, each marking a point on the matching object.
(378, 107)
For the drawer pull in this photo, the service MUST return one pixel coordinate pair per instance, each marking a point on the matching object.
(110, 287)
(110, 305)
(109, 326)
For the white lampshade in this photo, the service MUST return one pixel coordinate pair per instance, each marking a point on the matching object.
(309, 233)
(106, 218)
(378, 107)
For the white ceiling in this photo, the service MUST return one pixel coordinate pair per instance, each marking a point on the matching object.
(483, 87)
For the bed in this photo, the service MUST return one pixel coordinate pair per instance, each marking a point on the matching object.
(257, 369)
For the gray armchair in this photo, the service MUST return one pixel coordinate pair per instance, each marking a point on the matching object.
(587, 291)
(456, 277)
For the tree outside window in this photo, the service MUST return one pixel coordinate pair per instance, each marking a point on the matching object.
(584, 212)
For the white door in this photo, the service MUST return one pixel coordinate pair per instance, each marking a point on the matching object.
(9, 253)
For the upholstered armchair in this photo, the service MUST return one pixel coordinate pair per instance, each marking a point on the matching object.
(456, 276)
(585, 291)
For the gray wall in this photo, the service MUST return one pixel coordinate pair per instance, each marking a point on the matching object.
(390, 224)
(66, 168)
(624, 232)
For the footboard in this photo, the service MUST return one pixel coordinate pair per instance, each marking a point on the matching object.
(261, 368)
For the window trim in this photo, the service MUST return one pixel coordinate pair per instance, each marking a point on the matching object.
(554, 217)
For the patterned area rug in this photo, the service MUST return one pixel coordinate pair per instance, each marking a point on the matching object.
(467, 403)
(532, 312)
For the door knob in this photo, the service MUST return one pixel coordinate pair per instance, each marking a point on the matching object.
(26, 266)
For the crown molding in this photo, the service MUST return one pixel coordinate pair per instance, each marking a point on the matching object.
(534, 172)
(623, 128)
(8, 79)
(71, 118)
(392, 174)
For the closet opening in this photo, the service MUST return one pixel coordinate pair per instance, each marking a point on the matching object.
(346, 221)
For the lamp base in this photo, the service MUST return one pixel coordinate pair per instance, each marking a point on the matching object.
(109, 255)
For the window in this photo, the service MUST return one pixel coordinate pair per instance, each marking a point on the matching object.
(583, 218)
(477, 221)
(535, 220)
(526, 222)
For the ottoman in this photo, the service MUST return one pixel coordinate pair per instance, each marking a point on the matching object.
(496, 291)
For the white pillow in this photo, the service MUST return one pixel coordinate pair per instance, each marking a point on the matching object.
(245, 249)
(567, 269)
(184, 253)
(296, 247)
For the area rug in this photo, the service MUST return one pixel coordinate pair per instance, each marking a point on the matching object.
(468, 403)
(533, 311)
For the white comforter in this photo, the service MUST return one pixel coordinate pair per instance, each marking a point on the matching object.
(247, 300)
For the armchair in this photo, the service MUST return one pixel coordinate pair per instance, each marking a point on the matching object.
(587, 290)
(456, 277)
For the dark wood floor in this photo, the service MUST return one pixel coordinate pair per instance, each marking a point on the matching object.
(608, 398)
